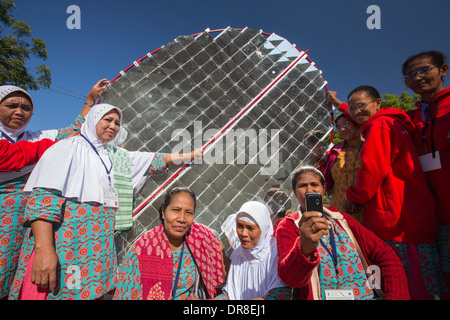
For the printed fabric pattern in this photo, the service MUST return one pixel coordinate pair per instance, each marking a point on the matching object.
(429, 262)
(13, 201)
(12, 206)
(443, 242)
(84, 241)
(75, 127)
(123, 183)
(350, 269)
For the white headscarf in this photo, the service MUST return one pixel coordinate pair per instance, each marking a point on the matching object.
(253, 272)
(229, 228)
(120, 138)
(14, 134)
(4, 92)
(73, 167)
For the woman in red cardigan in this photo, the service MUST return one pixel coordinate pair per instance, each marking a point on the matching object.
(331, 255)
(15, 156)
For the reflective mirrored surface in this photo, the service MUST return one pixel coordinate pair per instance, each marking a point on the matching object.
(256, 94)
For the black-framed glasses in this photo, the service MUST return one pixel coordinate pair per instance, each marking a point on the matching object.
(359, 106)
(422, 71)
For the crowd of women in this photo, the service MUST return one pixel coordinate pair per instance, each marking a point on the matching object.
(384, 236)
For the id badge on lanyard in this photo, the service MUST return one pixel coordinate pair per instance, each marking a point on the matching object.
(430, 163)
(339, 295)
(110, 199)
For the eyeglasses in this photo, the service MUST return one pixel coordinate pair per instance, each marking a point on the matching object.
(422, 71)
(359, 106)
(343, 125)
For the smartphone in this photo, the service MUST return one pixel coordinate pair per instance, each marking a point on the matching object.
(314, 202)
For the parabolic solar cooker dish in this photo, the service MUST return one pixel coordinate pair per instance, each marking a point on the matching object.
(246, 97)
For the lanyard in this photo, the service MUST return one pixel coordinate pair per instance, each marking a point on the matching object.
(333, 254)
(98, 154)
(175, 284)
(427, 109)
(10, 139)
(425, 118)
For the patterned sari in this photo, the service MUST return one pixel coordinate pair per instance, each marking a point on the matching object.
(149, 269)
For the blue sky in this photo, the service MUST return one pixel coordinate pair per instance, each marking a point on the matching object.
(115, 33)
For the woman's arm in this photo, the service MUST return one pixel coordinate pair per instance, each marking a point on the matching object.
(44, 208)
(294, 268)
(93, 95)
(174, 159)
(43, 271)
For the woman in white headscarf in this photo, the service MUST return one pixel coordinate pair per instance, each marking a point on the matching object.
(69, 250)
(16, 110)
(253, 270)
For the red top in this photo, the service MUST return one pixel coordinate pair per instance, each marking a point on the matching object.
(296, 271)
(15, 156)
(437, 133)
(398, 204)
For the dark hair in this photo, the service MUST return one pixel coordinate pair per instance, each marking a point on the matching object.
(342, 115)
(313, 137)
(298, 172)
(437, 57)
(278, 201)
(371, 91)
(171, 194)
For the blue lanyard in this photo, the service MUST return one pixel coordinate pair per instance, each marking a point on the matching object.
(175, 284)
(333, 254)
(427, 110)
(98, 154)
(10, 139)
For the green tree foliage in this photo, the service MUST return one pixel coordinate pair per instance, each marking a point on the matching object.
(404, 102)
(16, 48)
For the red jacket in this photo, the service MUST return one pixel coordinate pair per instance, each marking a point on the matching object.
(398, 204)
(296, 271)
(437, 133)
(15, 156)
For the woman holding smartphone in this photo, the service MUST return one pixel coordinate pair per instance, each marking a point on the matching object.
(328, 254)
